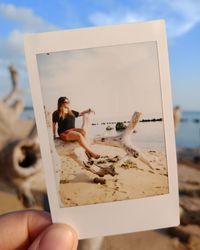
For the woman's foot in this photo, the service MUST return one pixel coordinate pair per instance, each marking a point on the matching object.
(92, 155)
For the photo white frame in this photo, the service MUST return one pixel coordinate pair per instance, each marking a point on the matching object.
(113, 217)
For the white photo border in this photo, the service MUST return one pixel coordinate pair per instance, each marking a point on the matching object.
(119, 216)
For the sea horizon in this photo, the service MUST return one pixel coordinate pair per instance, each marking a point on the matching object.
(187, 133)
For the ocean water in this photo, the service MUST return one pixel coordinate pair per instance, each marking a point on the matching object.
(188, 131)
(28, 113)
(150, 135)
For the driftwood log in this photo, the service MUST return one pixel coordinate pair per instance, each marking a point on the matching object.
(177, 116)
(19, 156)
(105, 165)
(124, 141)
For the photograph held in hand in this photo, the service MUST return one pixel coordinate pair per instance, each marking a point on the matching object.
(103, 108)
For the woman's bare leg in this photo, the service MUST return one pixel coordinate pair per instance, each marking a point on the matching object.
(81, 130)
(76, 136)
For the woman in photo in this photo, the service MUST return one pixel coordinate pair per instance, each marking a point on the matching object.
(65, 118)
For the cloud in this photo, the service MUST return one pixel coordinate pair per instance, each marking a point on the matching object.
(185, 15)
(180, 15)
(11, 46)
(24, 21)
(99, 18)
(25, 18)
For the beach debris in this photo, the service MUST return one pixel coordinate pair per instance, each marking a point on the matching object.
(152, 120)
(99, 180)
(196, 120)
(151, 172)
(98, 169)
(20, 158)
(120, 126)
(101, 161)
(109, 128)
(107, 158)
(152, 151)
(64, 181)
(128, 164)
(132, 151)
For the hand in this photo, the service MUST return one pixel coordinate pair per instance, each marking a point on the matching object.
(91, 111)
(34, 230)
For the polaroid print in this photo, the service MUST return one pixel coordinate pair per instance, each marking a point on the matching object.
(104, 114)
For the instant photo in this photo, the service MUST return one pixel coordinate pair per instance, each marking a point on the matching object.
(103, 109)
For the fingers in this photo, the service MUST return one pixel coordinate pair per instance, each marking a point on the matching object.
(19, 229)
(56, 236)
(92, 111)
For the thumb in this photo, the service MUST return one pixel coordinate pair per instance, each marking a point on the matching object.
(56, 236)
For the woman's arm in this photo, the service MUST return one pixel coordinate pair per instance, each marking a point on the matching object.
(88, 111)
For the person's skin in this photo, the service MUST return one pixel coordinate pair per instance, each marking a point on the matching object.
(33, 230)
(77, 135)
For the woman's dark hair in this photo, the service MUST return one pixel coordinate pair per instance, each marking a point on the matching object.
(61, 100)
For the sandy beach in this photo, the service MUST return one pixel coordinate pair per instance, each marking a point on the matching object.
(134, 178)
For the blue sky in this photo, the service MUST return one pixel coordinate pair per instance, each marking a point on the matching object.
(183, 28)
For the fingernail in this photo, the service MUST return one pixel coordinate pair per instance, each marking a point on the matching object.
(59, 237)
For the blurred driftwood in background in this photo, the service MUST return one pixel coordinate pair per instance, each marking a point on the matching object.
(20, 159)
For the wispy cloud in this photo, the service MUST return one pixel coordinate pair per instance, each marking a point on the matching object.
(181, 15)
(24, 22)
(100, 18)
(24, 18)
(11, 45)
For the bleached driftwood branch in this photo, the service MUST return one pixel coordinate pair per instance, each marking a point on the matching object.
(19, 156)
(14, 90)
(105, 165)
(124, 141)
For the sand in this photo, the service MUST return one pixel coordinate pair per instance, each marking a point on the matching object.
(133, 180)
(8, 196)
